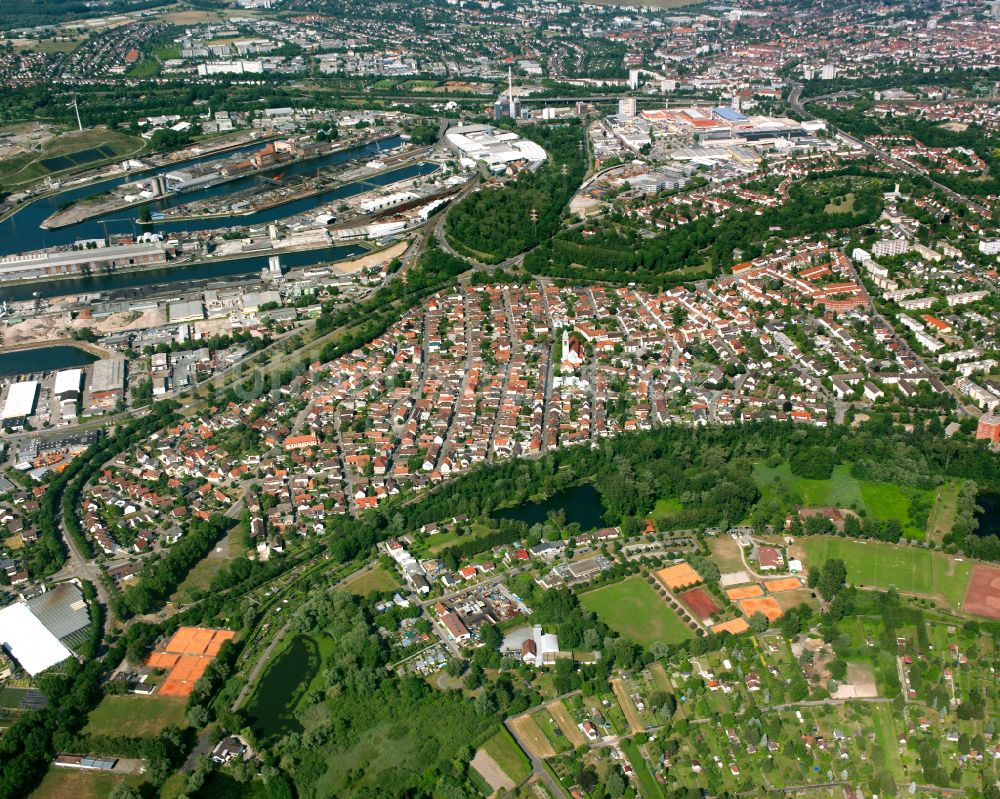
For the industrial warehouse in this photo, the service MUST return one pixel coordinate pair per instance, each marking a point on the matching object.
(44, 264)
(41, 632)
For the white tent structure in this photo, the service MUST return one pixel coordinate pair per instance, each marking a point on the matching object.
(28, 641)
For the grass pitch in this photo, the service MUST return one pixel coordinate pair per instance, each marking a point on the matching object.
(634, 609)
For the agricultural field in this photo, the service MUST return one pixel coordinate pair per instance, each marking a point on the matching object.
(634, 609)
(531, 734)
(911, 570)
(881, 501)
(136, 716)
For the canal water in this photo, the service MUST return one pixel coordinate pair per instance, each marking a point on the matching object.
(288, 209)
(989, 518)
(213, 270)
(43, 359)
(21, 231)
(581, 504)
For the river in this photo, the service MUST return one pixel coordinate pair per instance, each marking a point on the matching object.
(43, 359)
(21, 232)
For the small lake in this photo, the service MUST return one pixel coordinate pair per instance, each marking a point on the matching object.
(989, 519)
(581, 504)
(282, 685)
(43, 359)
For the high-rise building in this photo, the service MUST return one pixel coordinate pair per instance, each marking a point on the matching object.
(626, 107)
(988, 428)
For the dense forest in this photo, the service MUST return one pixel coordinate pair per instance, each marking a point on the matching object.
(707, 468)
(495, 224)
(618, 251)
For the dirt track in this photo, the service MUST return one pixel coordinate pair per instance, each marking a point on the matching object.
(491, 772)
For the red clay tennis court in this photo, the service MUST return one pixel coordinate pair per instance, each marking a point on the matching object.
(701, 604)
(734, 626)
(186, 656)
(783, 584)
(767, 605)
(678, 576)
(745, 592)
(983, 594)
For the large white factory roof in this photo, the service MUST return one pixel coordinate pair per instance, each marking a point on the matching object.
(20, 400)
(493, 145)
(28, 640)
(68, 380)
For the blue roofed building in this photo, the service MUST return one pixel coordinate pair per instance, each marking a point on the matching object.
(729, 114)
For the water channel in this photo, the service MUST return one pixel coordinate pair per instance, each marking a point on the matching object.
(212, 270)
(43, 359)
(21, 232)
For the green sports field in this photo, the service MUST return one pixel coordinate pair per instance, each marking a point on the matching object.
(136, 716)
(635, 610)
(879, 500)
(911, 570)
(508, 755)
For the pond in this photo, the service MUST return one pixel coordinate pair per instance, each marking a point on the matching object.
(581, 504)
(43, 359)
(989, 517)
(271, 713)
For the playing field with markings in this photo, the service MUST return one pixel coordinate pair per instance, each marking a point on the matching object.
(912, 570)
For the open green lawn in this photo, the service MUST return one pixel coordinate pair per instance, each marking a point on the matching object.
(942, 515)
(377, 579)
(651, 789)
(200, 577)
(841, 205)
(664, 509)
(634, 609)
(136, 716)
(508, 755)
(879, 500)
(68, 783)
(840, 491)
(910, 569)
